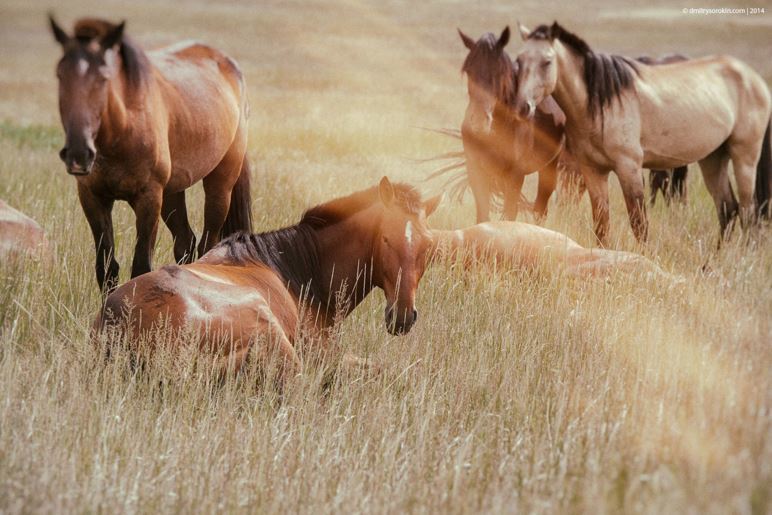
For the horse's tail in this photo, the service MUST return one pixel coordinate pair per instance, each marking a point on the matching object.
(239, 216)
(764, 177)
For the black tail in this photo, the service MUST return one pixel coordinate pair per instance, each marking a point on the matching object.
(764, 178)
(240, 213)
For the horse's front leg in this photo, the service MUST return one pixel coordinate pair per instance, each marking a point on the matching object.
(548, 180)
(597, 188)
(147, 209)
(513, 186)
(98, 213)
(631, 180)
(481, 189)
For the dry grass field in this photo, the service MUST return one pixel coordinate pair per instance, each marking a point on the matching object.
(515, 392)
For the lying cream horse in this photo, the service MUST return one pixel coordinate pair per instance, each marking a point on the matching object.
(522, 245)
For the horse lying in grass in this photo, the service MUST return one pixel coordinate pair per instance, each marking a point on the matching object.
(19, 234)
(521, 245)
(258, 293)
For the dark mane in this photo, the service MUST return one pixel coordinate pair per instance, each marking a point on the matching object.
(293, 252)
(606, 76)
(135, 64)
(491, 68)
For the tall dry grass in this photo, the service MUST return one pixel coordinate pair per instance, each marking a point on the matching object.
(516, 391)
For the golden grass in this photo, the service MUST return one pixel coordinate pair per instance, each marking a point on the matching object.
(514, 392)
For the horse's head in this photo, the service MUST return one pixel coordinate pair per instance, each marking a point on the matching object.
(490, 79)
(537, 71)
(89, 62)
(401, 253)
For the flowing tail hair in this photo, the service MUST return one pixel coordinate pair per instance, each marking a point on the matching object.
(239, 216)
(764, 177)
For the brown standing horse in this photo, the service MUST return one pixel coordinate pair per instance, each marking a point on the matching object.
(499, 149)
(623, 116)
(144, 127)
(278, 285)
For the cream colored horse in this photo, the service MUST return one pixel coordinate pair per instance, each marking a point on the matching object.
(623, 116)
(521, 245)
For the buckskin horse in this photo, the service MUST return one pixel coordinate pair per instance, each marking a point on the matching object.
(671, 183)
(145, 126)
(501, 150)
(717, 109)
(259, 292)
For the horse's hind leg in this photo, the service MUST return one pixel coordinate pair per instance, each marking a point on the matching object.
(175, 215)
(715, 173)
(218, 186)
(744, 160)
(548, 179)
(678, 183)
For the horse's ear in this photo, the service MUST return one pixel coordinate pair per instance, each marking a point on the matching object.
(555, 29)
(59, 34)
(524, 32)
(468, 42)
(430, 206)
(386, 191)
(113, 37)
(503, 38)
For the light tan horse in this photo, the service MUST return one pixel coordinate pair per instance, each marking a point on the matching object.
(20, 235)
(622, 116)
(143, 127)
(522, 245)
(265, 294)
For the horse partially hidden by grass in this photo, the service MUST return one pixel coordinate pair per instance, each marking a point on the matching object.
(622, 116)
(527, 246)
(258, 293)
(501, 150)
(20, 235)
(144, 127)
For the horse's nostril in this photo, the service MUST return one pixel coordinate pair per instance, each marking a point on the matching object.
(90, 154)
(63, 154)
(415, 315)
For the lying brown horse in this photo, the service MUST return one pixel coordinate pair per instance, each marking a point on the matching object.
(500, 150)
(144, 127)
(277, 285)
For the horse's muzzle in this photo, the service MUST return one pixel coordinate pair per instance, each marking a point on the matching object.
(78, 163)
(401, 324)
(526, 110)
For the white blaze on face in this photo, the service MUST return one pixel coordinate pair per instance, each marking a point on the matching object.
(82, 67)
(409, 233)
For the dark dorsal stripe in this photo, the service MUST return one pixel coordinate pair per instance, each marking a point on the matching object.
(293, 252)
(605, 76)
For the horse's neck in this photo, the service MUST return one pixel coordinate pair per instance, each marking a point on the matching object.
(571, 91)
(115, 116)
(346, 263)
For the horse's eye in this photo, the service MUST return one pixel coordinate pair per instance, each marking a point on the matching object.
(546, 63)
